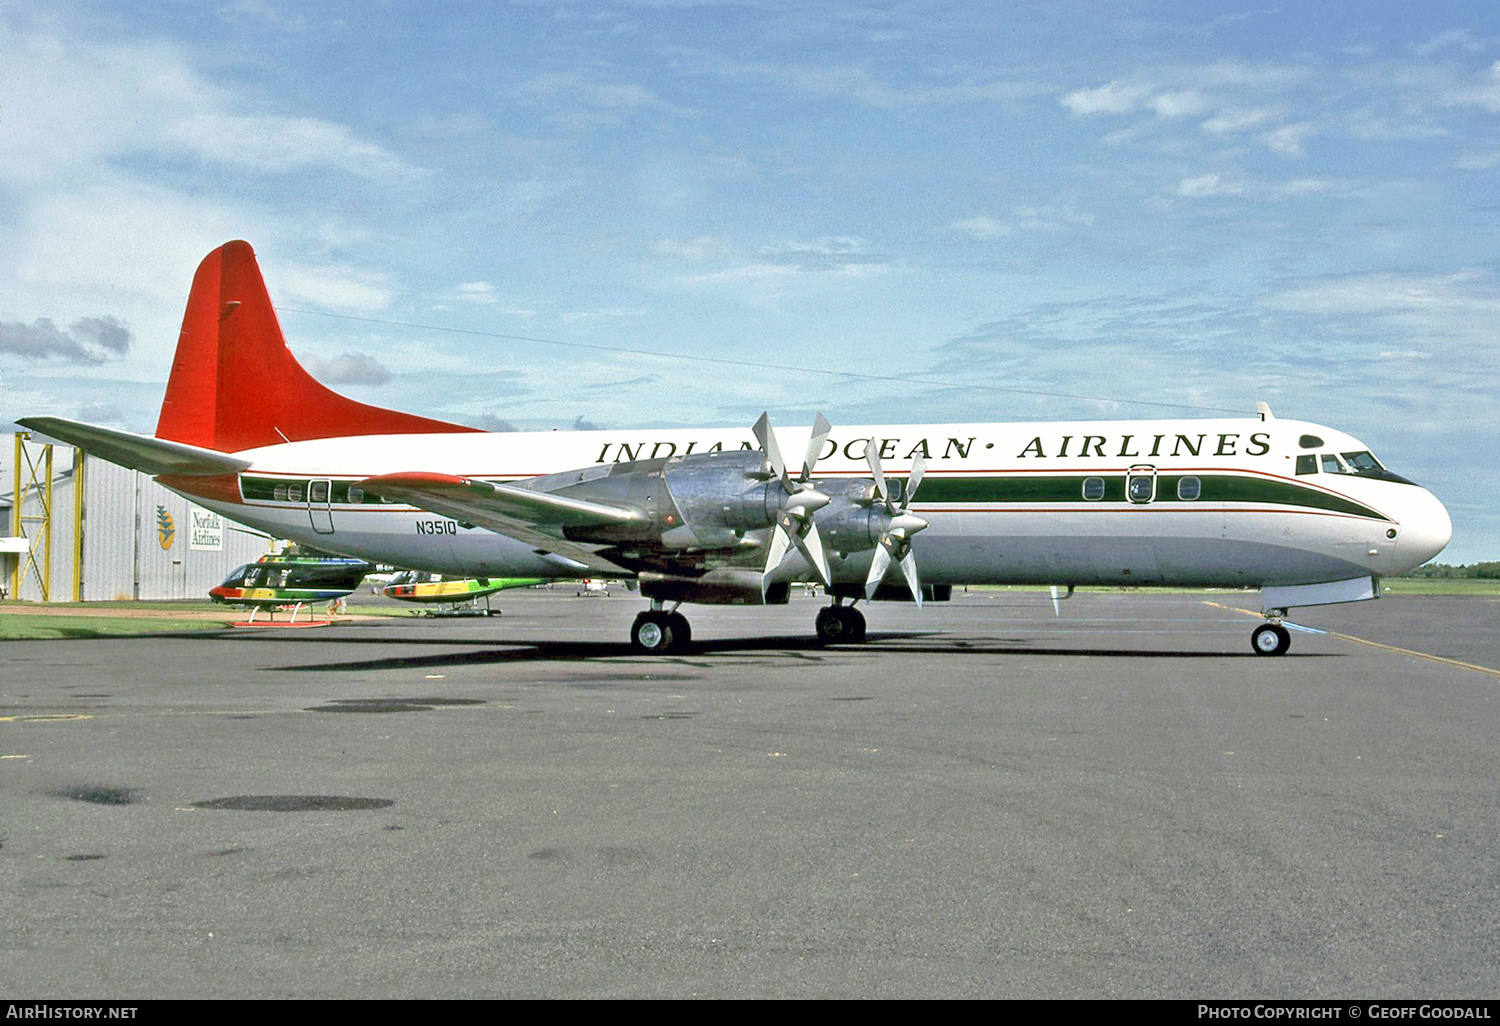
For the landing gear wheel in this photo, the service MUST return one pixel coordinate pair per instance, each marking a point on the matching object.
(1271, 639)
(652, 633)
(656, 632)
(840, 625)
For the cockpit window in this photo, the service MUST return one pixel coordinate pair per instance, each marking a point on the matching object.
(1331, 464)
(1363, 462)
(1310, 442)
(1307, 464)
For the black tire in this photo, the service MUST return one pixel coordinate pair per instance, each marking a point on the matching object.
(840, 625)
(682, 632)
(652, 633)
(1270, 639)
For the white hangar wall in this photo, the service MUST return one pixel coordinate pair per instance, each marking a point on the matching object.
(140, 541)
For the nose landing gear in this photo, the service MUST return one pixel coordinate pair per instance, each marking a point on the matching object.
(1271, 639)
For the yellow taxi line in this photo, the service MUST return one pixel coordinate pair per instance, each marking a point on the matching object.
(1388, 648)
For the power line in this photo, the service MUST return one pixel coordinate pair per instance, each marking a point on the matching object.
(727, 362)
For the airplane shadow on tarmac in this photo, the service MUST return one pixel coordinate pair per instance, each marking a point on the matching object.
(490, 652)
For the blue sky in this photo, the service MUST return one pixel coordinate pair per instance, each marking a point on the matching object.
(907, 211)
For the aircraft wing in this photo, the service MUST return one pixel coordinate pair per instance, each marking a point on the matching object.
(153, 456)
(520, 513)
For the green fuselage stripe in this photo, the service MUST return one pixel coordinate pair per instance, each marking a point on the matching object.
(1216, 488)
(998, 489)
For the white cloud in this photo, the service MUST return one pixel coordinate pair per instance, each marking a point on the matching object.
(91, 101)
(1467, 292)
(348, 369)
(856, 83)
(698, 249)
(1023, 218)
(1305, 186)
(1184, 103)
(1207, 185)
(341, 288)
(480, 292)
(1237, 119)
(279, 144)
(1288, 139)
(610, 95)
(1110, 98)
(981, 227)
(609, 313)
(1461, 39)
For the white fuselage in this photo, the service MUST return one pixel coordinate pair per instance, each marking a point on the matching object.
(1183, 502)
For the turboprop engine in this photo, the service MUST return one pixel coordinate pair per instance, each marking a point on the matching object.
(702, 501)
(729, 503)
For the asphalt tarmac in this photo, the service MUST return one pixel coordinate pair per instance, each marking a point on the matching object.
(986, 800)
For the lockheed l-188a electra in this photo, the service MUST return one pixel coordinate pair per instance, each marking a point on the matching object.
(1303, 512)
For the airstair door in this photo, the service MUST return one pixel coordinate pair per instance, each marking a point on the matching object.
(319, 507)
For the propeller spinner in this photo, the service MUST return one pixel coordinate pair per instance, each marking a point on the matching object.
(794, 519)
(895, 539)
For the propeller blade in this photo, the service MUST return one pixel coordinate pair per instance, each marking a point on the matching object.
(820, 430)
(914, 481)
(879, 564)
(872, 457)
(811, 547)
(909, 569)
(780, 542)
(767, 439)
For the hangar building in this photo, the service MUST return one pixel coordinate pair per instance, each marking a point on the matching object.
(88, 530)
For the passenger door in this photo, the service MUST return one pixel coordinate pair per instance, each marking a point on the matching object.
(319, 506)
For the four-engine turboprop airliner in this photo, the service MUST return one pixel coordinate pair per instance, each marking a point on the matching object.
(1306, 513)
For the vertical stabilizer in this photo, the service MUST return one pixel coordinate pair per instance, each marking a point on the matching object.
(234, 383)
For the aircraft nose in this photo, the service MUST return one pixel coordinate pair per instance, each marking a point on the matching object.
(1426, 529)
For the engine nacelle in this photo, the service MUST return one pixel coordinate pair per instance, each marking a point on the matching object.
(721, 587)
(701, 501)
(711, 501)
(720, 496)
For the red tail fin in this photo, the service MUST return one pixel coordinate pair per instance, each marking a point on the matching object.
(234, 383)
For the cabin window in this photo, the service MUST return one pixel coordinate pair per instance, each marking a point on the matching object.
(1307, 464)
(318, 491)
(1189, 488)
(356, 494)
(1093, 488)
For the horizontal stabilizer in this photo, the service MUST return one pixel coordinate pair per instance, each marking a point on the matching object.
(153, 456)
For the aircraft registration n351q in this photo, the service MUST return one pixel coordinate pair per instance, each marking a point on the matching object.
(1303, 512)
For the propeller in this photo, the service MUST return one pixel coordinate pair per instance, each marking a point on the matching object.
(895, 539)
(794, 519)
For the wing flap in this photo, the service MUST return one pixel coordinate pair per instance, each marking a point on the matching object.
(520, 513)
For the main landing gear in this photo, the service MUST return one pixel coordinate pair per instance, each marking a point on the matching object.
(1271, 639)
(840, 624)
(657, 631)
